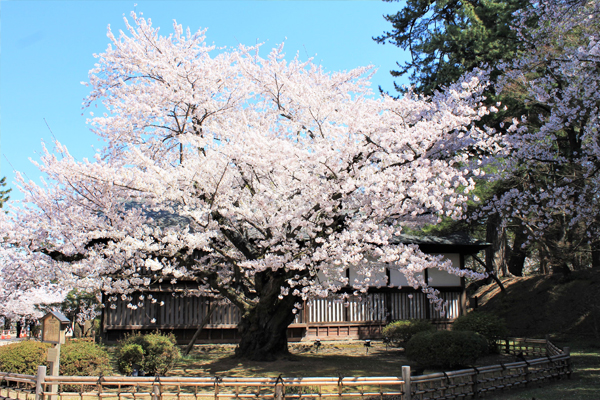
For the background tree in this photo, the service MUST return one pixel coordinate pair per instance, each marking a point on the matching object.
(555, 157)
(80, 307)
(260, 180)
(3, 192)
(447, 39)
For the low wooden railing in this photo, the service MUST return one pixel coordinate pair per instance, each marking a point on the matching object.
(466, 383)
(472, 382)
(17, 385)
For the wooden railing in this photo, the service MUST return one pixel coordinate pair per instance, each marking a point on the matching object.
(472, 382)
(466, 383)
(17, 385)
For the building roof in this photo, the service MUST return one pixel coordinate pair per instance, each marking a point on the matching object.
(458, 242)
(58, 315)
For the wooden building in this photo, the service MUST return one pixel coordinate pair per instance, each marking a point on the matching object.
(361, 317)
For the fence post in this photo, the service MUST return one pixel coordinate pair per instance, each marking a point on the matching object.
(567, 351)
(278, 391)
(39, 382)
(279, 388)
(407, 385)
(156, 392)
(156, 388)
(475, 379)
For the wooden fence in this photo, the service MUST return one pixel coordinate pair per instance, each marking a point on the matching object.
(467, 383)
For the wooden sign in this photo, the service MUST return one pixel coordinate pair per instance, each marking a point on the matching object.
(54, 325)
(53, 354)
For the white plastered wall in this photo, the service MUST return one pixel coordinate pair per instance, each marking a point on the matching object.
(437, 277)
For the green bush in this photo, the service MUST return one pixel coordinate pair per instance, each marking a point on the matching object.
(84, 358)
(77, 358)
(400, 332)
(130, 356)
(446, 349)
(487, 325)
(154, 353)
(23, 357)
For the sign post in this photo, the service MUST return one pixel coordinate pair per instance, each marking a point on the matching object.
(54, 325)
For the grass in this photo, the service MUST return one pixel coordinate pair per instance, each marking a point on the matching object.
(332, 359)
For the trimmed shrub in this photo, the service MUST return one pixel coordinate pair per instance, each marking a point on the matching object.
(83, 358)
(446, 349)
(154, 353)
(130, 356)
(400, 332)
(23, 357)
(487, 325)
(77, 358)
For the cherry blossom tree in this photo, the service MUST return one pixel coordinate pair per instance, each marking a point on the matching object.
(261, 180)
(25, 289)
(28, 288)
(555, 162)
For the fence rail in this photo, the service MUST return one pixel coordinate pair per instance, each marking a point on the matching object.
(466, 383)
(470, 383)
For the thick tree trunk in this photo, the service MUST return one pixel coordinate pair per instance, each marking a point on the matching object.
(544, 262)
(263, 330)
(595, 246)
(595, 257)
(263, 326)
(560, 267)
(495, 255)
(516, 261)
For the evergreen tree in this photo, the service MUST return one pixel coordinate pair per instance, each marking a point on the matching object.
(3, 192)
(447, 38)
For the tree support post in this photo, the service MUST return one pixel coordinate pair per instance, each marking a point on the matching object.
(205, 321)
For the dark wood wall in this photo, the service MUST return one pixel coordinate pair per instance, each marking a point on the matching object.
(359, 317)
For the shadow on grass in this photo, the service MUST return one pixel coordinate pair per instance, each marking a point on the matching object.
(328, 361)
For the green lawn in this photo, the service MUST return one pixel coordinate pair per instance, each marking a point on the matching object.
(332, 359)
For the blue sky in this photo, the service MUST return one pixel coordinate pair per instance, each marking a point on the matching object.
(47, 47)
